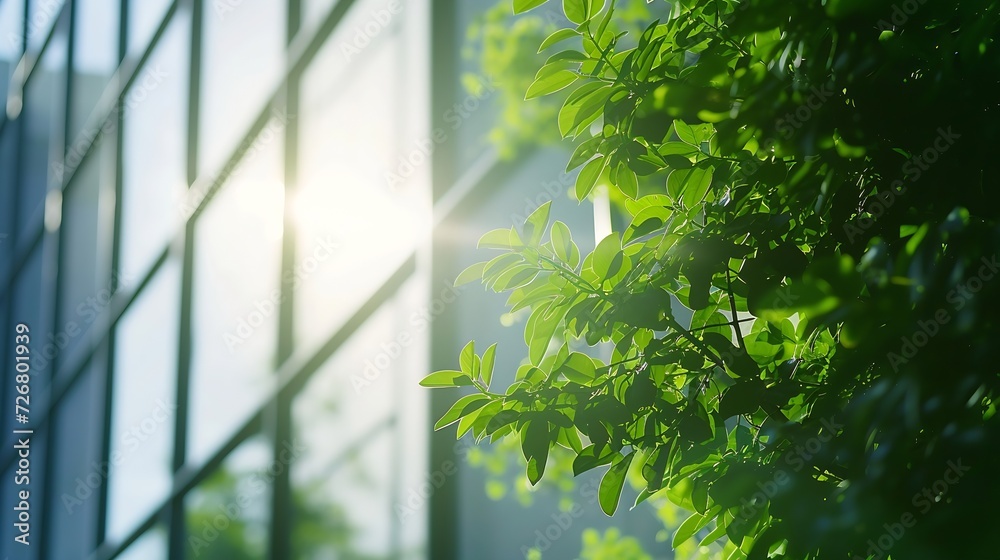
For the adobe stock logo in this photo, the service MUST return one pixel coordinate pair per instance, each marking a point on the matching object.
(878, 547)
(958, 297)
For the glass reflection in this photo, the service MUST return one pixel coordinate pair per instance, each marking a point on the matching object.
(243, 63)
(95, 56)
(42, 14)
(236, 299)
(86, 294)
(80, 474)
(144, 17)
(143, 410)
(11, 41)
(350, 128)
(154, 173)
(42, 135)
(152, 545)
(228, 515)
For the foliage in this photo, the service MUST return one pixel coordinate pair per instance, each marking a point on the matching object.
(504, 47)
(801, 307)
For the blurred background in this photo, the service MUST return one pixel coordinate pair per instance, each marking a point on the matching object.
(232, 227)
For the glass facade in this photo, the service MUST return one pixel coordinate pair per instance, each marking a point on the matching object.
(232, 227)
(196, 227)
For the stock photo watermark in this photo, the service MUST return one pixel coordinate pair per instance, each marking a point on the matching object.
(958, 297)
(364, 34)
(87, 313)
(149, 80)
(415, 498)
(263, 309)
(131, 439)
(420, 321)
(912, 170)
(255, 485)
(202, 190)
(923, 501)
(422, 150)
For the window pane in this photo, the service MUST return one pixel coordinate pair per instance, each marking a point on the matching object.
(243, 62)
(144, 16)
(350, 123)
(356, 419)
(86, 288)
(41, 15)
(44, 107)
(344, 507)
(11, 40)
(152, 545)
(235, 315)
(95, 57)
(154, 171)
(228, 515)
(144, 399)
(79, 473)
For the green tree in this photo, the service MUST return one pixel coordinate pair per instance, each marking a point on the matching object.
(802, 305)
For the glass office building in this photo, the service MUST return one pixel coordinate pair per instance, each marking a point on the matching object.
(231, 226)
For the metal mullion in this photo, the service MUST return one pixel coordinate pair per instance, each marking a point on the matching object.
(443, 505)
(76, 368)
(7, 283)
(109, 370)
(281, 499)
(55, 260)
(30, 70)
(293, 377)
(177, 526)
(302, 51)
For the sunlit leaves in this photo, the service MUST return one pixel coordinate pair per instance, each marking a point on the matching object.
(535, 446)
(556, 37)
(587, 179)
(521, 6)
(611, 485)
(446, 378)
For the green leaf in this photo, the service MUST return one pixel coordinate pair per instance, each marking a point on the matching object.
(577, 11)
(610, 492)
(535, 446)
(464, 406)
(535, 224)
(584, 152)
(587, 179)
(489, 358)
(688, 528)
(467, 358)
(579, 368)
(583, 107)
(720, 529)
(695, 178)
(685, 133)
(562, 241)
(590, 458)
(559, 35)
(605, 255)
(628, 182)
(521, 6)
(569, 55)
(471, 274)
(550, 79)
(495, 239)
(446, 378)
(697, 188)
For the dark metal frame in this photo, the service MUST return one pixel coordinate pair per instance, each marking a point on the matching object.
(451, 194)
(292, 370)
